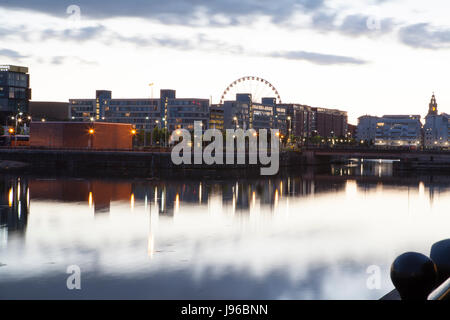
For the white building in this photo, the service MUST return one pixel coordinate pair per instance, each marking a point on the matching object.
(367, 128)
(399, 130)
(436, 129)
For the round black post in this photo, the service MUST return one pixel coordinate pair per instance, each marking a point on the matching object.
(440, 254)
(414, 276)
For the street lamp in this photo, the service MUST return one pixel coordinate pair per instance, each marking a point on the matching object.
(290, 128)
(133, 133)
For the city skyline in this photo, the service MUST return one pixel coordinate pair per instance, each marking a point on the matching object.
(365, 58)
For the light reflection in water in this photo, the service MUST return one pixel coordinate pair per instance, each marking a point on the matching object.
(299, 235)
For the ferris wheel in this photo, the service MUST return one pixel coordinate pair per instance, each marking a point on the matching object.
(258, 87)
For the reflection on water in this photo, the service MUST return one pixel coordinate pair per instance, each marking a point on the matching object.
(309, 235)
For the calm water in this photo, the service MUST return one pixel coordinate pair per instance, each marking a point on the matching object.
(309, 235)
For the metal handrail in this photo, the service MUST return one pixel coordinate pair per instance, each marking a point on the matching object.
(442, 292)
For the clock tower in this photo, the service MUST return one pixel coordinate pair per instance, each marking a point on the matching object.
(432, 109)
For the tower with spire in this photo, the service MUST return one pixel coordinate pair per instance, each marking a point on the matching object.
(433, 107)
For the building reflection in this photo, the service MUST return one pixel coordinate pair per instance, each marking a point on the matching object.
(165, 197)
(14, 207)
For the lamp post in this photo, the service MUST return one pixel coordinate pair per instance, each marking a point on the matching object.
(165, 131)
(91, 136)
(133, 133)
(289, 128)
(145, 131)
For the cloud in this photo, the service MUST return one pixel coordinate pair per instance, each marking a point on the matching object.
(11, 54)
(317, 58)
(60, 60)
(174, 11)
(352, 25)
(423, 35)
(75, 34)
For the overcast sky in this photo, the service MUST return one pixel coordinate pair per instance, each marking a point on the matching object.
(367, 56)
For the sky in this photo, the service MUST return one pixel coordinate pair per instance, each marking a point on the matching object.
(366, 57)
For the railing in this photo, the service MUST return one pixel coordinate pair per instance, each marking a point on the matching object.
(442, 292)
(418, 277)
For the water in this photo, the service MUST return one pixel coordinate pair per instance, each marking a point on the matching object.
(317, 234)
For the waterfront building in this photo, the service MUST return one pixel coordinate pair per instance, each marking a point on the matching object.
(166, 112)
(216, 117)
(367, 128)
(390, 130)
(399, 130)
(49, 111)
(436, 128)
(15, 92)
(301, 120)
(81, 135)
(295, 119)
(329, 122)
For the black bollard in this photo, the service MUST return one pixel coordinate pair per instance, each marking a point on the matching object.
(414, 276)
(440, 254)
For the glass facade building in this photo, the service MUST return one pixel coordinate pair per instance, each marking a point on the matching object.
(15, 92)
(168, 111)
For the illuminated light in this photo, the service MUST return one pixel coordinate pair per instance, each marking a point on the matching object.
(10, 197)
(254, 199)
(133, 132)
(255, 134)
(91, 131)
(277, 134)
(91, 199)
(43, 120)
(132, 201)
(11, 130)
(200, 193)
(177, 203)
(276, 198)
(163, 200)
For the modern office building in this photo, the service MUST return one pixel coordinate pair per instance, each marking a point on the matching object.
(295, 119)
(15, 92)
(367, 128)
(390, 130)
(243, 113)
(399, 130)
(166, 112)
(437, 127)
(216, 117)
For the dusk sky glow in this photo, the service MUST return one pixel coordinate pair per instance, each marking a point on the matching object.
(367, 57)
